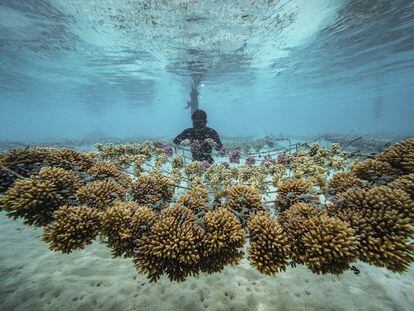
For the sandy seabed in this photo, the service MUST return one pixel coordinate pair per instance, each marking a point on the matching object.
(34, 278)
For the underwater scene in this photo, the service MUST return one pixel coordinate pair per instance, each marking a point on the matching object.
(206, 155)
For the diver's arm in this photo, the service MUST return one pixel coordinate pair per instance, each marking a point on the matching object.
(183, 136)
(215, 136)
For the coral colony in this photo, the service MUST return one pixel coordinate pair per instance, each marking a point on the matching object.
(200, 218)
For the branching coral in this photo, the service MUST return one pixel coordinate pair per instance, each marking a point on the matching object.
(155, 190)
(329, 244)
(217, 175)
(240, 199)
(70, 159)
(405, 183)
(255, 176)
(364, 220)
(7, 178)
(325, 244)
(160, 160)
(292, 191)
(382, 219)
(35, 199)
(194, 170)
(374, 171)
(224, 237)
(124, 224)
(73, 228)
(195, 199)
(66, 182)
(172, 247)
(268, 244)
(107, 170)
(341, 182)
(294, 222)
(400, 156)
(24, 162)
(100, 194)
(177, 162)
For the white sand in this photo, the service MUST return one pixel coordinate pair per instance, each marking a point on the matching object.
(33, 278)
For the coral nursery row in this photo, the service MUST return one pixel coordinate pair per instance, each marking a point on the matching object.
(321, 207)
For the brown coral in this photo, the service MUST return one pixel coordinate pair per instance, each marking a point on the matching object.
(70, 159)
(100, 194)
(294, 222)
(24, 162)
(405, 183)
(268, 244)
(154, 190)
(382, 219)
(177, 162)
(292, 191)
(195, 199)
(66, 182)
(36, 198)
(124, 224)
(241, 199)
(374, 171)
(73, 228)
(329, 245)
(107, 170)
(224, 237)
(172, 247)
(325, 244)
(341, 182)
(7, 178)
(400, 156)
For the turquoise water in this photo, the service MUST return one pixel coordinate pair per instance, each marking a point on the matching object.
(73, 69)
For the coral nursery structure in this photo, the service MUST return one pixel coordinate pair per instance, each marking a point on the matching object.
(327, 208)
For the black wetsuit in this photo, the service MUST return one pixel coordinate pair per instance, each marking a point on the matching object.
(200, 149)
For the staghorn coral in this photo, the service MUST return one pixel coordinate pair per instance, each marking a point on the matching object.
(36, 198)
(374, 171)
(294, 222)
(329, 245)
(405, 183)
(72, 228)
(177, 162)
(325, 244)
(124, 224)
(216, 175)
(23, 162)
(155, 190)
(70, 159)
(268, 245)
(240, 199)
(223, 238)
(195, 199)
(160, 160)
(341, 182)
(194, 170)
(382, 219)
(100, 194)
(172, 247)
(7, 178)
(314, 149)
(292, 191)
(304, 166)
(107, 170)
(66, 182)
(139, 162)
(31, 199)
(400, 156)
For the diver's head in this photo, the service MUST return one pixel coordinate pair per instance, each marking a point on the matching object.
(199, 118)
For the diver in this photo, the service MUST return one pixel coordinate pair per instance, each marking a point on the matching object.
(201, 138)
